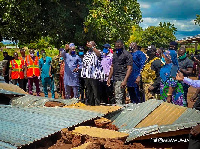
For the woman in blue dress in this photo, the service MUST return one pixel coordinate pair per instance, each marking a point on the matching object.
(170, 89)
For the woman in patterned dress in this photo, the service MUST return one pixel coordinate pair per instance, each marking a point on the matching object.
(170, 89)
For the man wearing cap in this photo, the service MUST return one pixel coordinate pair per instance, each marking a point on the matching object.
(151, 74)
(71, 75)
(106, 92)
(91, 73)
(120, 70)
(139, 59)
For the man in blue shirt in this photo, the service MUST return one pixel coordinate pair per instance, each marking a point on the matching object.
(139, 59)
(45, 71)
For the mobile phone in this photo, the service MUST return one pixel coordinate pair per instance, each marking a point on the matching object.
(174, 71)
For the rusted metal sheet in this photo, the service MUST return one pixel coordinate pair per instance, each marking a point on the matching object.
(22, 126)
(165, 114)
(135, 113)
(154, 117)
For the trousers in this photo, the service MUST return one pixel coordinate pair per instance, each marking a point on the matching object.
(68, 91)
(30, 85)
(92, 91)
(19, 81)
(48, 81)
(134, 94)
(119, 93)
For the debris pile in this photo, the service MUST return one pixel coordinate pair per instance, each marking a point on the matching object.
(86, 137)
(105, 123)
(99, 109)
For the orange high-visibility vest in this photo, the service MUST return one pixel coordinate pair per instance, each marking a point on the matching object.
(32, 67)
(21, 58)
(17, 70)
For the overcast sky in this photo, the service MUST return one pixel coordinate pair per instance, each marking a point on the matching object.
(181, 13)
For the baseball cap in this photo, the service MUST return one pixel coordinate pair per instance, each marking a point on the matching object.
(106, 45)
(173, 43)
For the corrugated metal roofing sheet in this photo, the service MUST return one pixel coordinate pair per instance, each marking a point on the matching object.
(165, 114)
(2, 91)
(190, 115)
(12, 88)
(4, 145)
(21, 126)
(99, 109)
(35, 101)
(154, 116)
(135, 113)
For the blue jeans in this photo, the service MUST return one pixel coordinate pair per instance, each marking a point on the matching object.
(48, 81)
(134, 94)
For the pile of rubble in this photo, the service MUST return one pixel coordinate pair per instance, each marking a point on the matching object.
(105, 135)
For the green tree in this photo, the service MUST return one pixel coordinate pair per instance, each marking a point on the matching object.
(197, 20)
(109, 20)
(28, 21)
(160, 36)
(135, 35)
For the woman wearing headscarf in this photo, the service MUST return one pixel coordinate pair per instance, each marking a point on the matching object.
(170, 89)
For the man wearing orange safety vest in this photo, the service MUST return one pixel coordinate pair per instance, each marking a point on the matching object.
(23, 57)
(32, 72)
(16, 72)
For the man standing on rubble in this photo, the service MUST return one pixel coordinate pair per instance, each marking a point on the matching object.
(120, 70)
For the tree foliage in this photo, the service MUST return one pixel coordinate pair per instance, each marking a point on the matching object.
(135, 35)
(109, 20)
(160, 36)
(197, 20)
(27, 21)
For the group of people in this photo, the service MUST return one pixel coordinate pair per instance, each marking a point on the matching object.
(104, 76)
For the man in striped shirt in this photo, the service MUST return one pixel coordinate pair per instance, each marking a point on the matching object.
(91, 73)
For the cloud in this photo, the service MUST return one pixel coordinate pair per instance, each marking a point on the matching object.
(183, 26)
(177, 9)
(144, 5)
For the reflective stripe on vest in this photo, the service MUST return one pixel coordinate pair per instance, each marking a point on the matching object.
(33, 66)
(17, 72)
